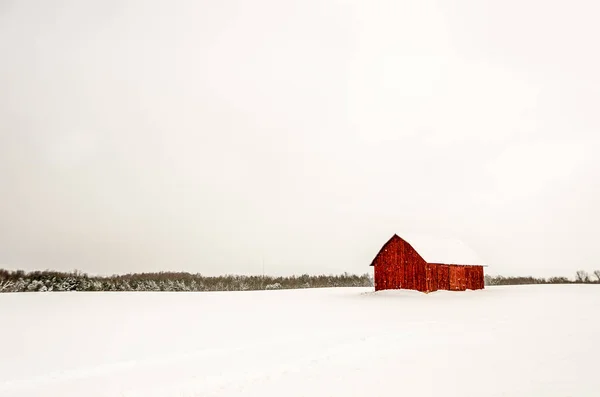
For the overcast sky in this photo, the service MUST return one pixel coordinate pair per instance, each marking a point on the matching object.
(208, 136)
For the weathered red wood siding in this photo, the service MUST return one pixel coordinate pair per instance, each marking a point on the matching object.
(480, 277)
(443, 277)
(468, 278)
(458, 281)
(474, 275)
(431, 271)
(399, 266)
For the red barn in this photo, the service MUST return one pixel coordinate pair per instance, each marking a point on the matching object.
(427, 265)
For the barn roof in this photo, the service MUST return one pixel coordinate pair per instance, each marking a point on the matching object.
(442, 250)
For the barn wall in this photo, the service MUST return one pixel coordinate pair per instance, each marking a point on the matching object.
(443, 277)
(458, 281)
(398, 265)
(475, 277)
(432, 277)
(469, 277)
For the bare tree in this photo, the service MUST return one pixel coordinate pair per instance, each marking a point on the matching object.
(597, 274)
(6, 285)
(582, 276)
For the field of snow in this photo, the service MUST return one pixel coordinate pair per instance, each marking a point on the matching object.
(502, 341)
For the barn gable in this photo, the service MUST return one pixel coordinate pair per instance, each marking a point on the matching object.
(396, 246)
(398, 265)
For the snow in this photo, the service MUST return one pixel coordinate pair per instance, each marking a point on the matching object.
(501, 341)
(442, 250)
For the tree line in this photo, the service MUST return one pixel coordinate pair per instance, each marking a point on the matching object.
(581, 277)
(44, 281)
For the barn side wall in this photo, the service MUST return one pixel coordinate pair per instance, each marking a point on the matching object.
(469, 279)
(432, 277)
(462, 278)
(458, 281)
(475, 278)
(443, 277)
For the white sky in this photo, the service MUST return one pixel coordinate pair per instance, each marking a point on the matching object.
(204, 136)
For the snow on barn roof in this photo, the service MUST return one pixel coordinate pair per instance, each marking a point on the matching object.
(442, 250)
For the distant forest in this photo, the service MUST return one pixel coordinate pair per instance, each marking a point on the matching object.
(44, 281)
(581, 277)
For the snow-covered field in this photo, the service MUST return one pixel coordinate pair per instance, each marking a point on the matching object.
(503, 341)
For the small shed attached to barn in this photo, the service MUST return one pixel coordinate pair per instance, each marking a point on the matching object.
(426, 264)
